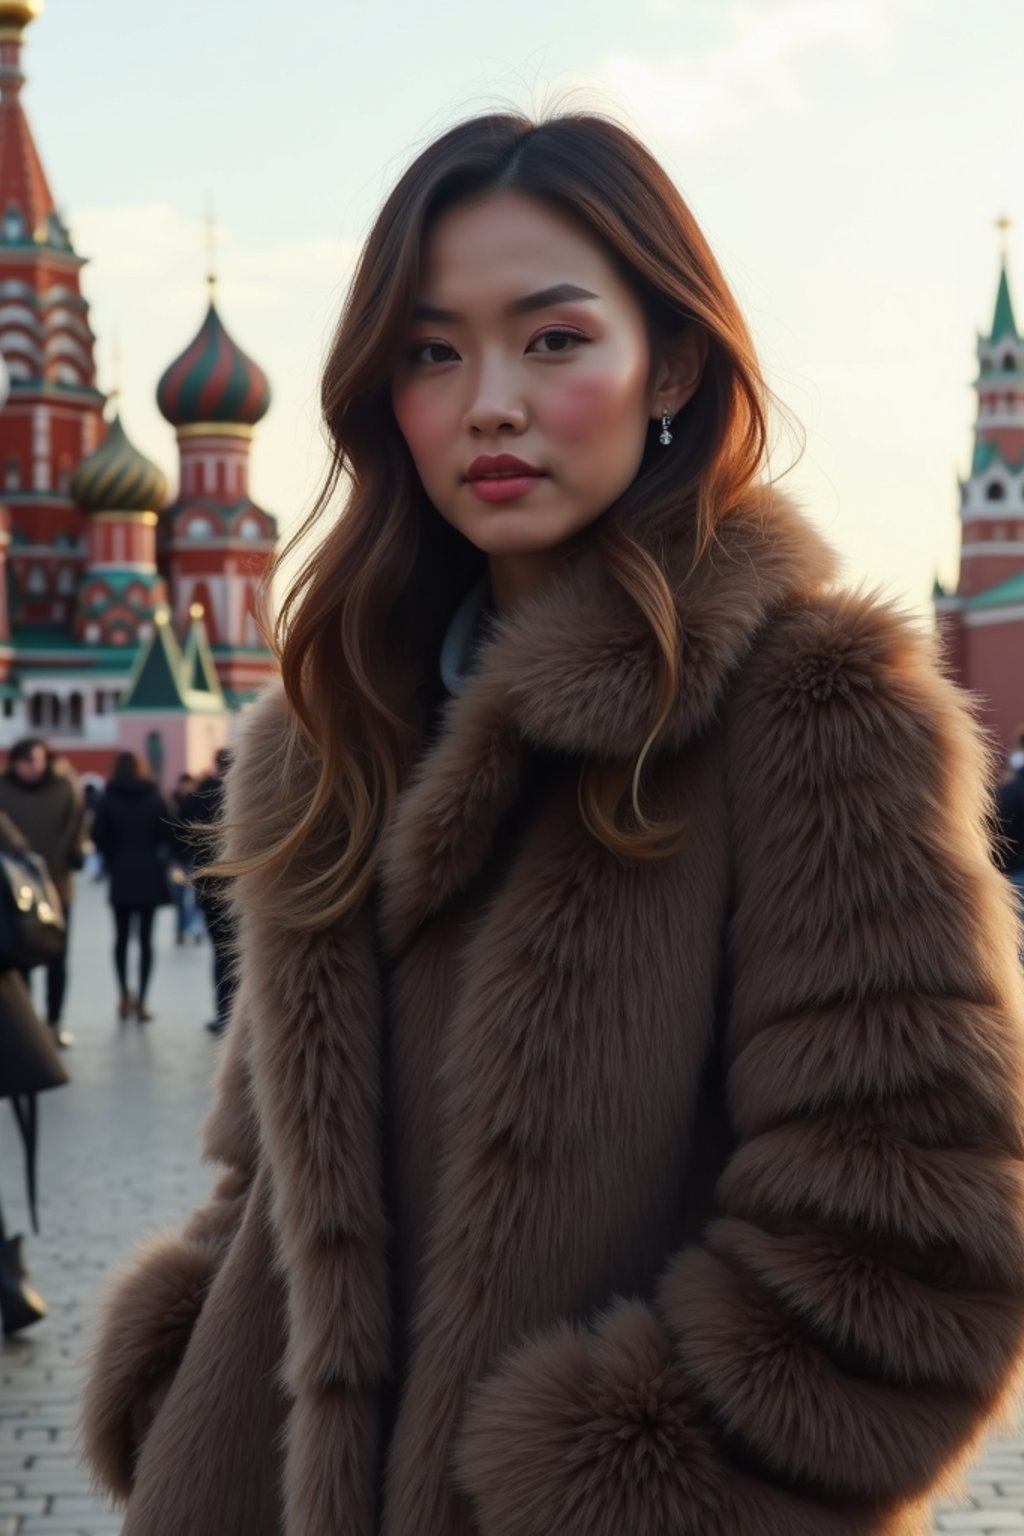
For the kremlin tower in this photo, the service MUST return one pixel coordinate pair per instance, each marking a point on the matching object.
(982, 622)
(123, 620)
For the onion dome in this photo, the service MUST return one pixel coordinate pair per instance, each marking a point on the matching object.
(213, 380)
(117, 477)
(18, 13)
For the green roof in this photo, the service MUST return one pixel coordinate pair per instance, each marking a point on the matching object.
(1004, 595)
(200, 672)
(986, 454)
(1003, 322)
(156, 682)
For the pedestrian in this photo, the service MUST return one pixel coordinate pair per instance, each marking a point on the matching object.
(188, 919)
(621, 1105)
(29, 1065)
(132, 830)
(48, 809)
(202, 815)
(1010, 817)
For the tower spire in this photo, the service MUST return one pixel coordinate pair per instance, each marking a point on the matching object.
(211, 249)
(1003, 323)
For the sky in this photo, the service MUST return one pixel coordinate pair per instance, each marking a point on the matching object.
(847, 160)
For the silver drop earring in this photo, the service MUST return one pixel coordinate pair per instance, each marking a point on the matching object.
(666, 435)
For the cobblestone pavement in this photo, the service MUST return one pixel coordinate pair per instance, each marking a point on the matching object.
(118, 1157)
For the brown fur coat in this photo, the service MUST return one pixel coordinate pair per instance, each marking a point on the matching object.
(698, 1208)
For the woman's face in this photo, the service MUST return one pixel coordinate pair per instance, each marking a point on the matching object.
(525, 342)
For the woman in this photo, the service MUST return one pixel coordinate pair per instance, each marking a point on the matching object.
(132, 832)
(621, 1106)
(29, 1065)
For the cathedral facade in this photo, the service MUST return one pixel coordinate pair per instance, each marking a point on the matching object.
(109, 587)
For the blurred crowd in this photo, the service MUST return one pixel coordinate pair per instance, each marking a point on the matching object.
(149, 847)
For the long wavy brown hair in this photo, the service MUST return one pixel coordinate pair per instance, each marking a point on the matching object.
(374, 597)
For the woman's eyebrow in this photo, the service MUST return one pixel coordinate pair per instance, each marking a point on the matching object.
(561, 293)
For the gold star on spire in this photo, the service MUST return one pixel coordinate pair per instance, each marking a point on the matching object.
(1004, 224)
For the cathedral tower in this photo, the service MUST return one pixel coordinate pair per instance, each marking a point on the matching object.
(215, 542)
(53, 417)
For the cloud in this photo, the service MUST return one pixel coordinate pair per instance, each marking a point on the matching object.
(764, 63)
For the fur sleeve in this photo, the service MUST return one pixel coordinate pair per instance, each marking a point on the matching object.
(854, 1317)
(151, 1308)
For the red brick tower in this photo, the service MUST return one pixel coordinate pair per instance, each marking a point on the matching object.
(52, 419)
(982, 621)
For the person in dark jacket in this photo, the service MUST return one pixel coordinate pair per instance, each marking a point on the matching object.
(132, 832)
(188, 915)
(201, 812)
(47, 808)
(29, 1065)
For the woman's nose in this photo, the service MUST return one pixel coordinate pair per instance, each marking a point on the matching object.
(496, 404)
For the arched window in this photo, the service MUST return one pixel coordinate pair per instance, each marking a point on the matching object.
(995, 492)
(1009, 363)
(200, 528)
(36, 580)
(250, 528)
(75, 711)
(14, 225)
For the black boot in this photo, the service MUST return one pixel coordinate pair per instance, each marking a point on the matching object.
(20, 1304)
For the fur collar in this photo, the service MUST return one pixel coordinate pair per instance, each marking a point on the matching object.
(574, 670)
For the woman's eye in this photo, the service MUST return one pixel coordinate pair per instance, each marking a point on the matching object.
(418, 354)
(558, 340)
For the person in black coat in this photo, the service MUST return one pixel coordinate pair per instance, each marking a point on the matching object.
(29, 1065)
(201, 812)
(132, 832)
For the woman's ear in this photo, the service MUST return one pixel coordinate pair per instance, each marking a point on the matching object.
(678, 371)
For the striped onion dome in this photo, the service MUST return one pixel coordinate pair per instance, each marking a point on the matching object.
(117, 477)
(213, 380)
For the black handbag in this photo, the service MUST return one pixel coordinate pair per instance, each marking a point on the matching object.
(33, 930)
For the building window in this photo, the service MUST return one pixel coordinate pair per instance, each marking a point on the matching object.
(249, 528)
(995, 492)
(200, 528)
(12, 475)
(36, 579)
(1009, 363)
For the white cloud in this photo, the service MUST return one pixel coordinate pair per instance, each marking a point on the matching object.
(763, 63)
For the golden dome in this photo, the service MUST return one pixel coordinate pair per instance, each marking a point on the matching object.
(18, 13)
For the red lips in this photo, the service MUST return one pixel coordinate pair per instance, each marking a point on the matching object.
(500, 464)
